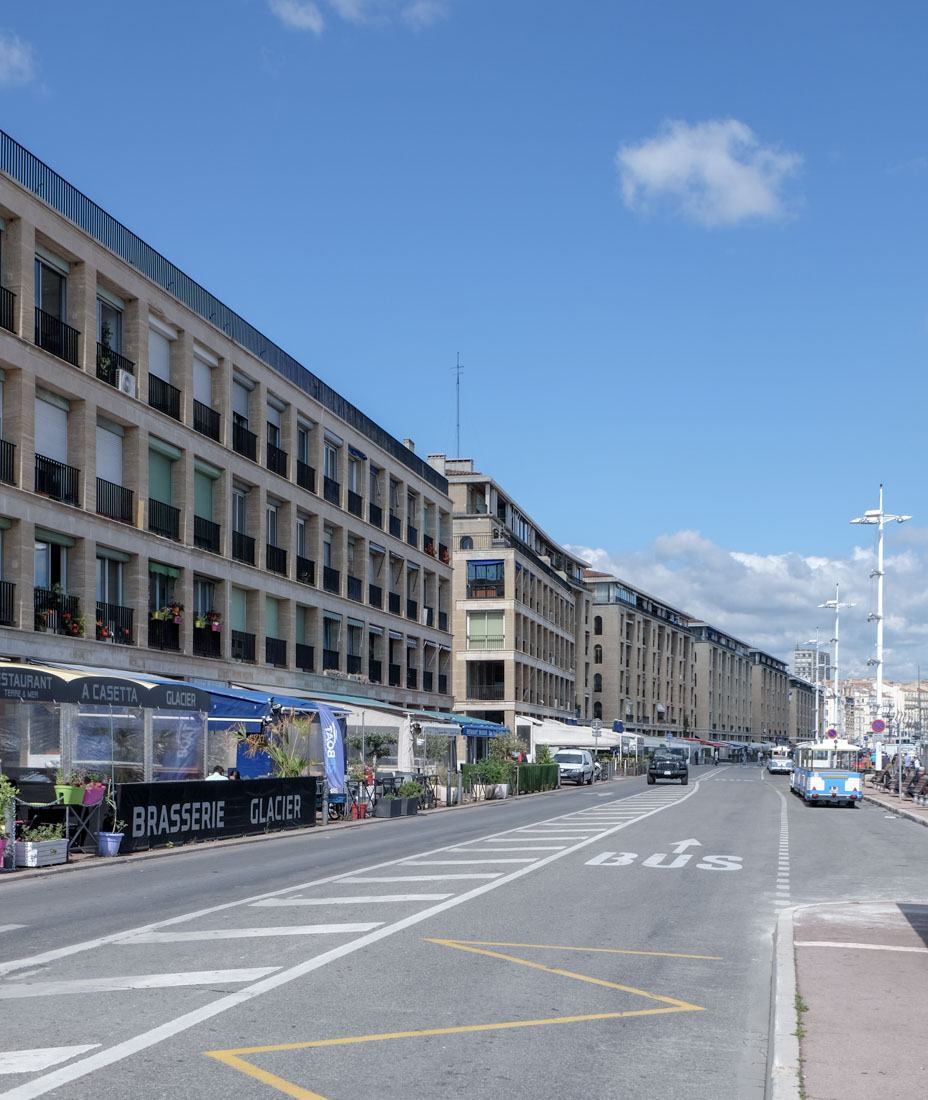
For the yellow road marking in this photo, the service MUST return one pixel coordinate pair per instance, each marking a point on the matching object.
(561, 947)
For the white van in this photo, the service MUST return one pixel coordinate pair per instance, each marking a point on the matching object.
(574, 764)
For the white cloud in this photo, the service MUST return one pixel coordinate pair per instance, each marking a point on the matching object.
(301, 15)
(17, 64)
(716, 173)
(424, 13)
(771, 601)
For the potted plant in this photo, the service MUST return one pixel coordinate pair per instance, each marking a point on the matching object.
(41, 846)
(69, 790)
(73, 624)
(409, 792)
(109, 840)
(8, 795)
(496, 775)
(94, 791)
(214, 619)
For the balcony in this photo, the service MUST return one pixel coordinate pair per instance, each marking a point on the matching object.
(206, 534)
(412, 679)
(56, 480)
(163, 396)
(57, 612)
(7, 462)
(115, 501)
(331, 490)
(486, 590)
(396, 527)
(485, 691)
(442, 683)
(305, 476)
(442, 620)
(375, 514)
(205, 420)
(275, 652)
(114, 624)
(243, 547)
(244, 442)
(393, 603)
(110, 363)
(207, 642)
(304, 657)
(427, 678)
(330, 579)
(353, 664)
(305, 570)
(163, 519)
(375, 595)
(330, 659)
(412, 535)
(443, 556)
(374, 671)
(486, 641)
(276, 460)
(355, 589)
(355, 504)
(7, 309)
(163, 635)
(55, 336)
(428, 616)
(412, 610)
(395, 674)
(243, 646)
(7, 591)
(276, 559)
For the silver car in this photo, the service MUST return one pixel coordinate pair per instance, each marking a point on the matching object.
(575, 764)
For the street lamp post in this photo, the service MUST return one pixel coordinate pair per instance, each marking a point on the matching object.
(837, 605)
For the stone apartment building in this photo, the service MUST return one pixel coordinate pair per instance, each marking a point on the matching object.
(802, 711)
(769, 697)
(723, 684)
(179, 496)
(519, 608)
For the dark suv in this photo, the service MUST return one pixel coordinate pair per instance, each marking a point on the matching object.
(668, 764)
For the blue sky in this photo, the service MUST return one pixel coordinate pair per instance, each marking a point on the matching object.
(679, 248)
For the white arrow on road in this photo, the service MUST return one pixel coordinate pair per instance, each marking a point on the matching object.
(682, 845)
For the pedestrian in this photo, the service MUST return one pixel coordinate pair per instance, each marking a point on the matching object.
(234, 773)
(219, 772)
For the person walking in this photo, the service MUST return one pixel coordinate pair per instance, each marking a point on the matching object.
(218, 772)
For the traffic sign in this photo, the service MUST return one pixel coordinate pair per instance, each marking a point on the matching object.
(878, 725)
(831, 733)
(597, 724)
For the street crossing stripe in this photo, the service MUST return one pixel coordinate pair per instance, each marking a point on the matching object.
(31, 1061)
(14, 991)
(248, 933)
(367, 899)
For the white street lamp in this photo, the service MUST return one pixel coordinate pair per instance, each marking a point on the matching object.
(879, 517)
(839, 710)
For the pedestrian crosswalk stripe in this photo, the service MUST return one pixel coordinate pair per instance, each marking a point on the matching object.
(13, 991)
(249, 933)
(367, 899)
(31, 1061)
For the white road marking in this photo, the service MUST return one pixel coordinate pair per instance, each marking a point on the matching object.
(418, 878)
(862, 946)
(31, 1061)
(525, 848)
(12, 928)
(463, 862)
(84, 986)
(368, 899)
(249, 933)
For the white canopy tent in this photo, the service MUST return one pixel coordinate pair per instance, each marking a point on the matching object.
(560, 735)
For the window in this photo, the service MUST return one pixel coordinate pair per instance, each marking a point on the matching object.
(302, 443)
(239, 511)
(598, 682)
(466, 543)
(272, 524)
(50, 289)
(485, 579)
(598, 625)
(51, 565)
(109, 324)
(331, 632)
(330, 460)
(161, 583)
(273, 426)
(109, 581)
(159, 353)
(301, 536)
(109, 450)
(597, 654)
(240, 398)
(485, 629)
(597, 710)
(354, 475)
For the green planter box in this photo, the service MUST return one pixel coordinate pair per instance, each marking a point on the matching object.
(69, 795)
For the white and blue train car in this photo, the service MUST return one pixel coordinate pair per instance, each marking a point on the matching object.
(825, 773)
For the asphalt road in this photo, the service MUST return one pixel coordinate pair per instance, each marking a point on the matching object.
(613, 940)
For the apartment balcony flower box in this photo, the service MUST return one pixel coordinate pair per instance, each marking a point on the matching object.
(355, 589)
(331, 490)
(56, 480)
(207, 642)
(206, 534)
(355, 504)
(243, 548)
(243, 646)
(164, 519)
(114, 624)
(305, 570)
(393, 603)
(206, 421)
(353, 664)
(7, 309)
(395, 674)
(276, 558)
(7, 592)
(55, 336)
(7, 462)
(276, 460)
(374, 671)
(115, 501)
(275, 652)
(330, 579)
(244, 442)
(305, 476)
(57, 613)
(303, 655)
(396, 527)
(375, 515)
(330, 659)
(109, 365)
(375, 595)
(163, 635)
(163, 396)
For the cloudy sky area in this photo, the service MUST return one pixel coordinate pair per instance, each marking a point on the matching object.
(679, 249)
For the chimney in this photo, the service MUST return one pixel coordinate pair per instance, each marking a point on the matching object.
(409, 443)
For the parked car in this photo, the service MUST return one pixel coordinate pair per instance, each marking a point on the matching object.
(575, 764)
(667, 764)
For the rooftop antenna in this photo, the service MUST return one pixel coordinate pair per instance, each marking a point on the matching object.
(457, 368)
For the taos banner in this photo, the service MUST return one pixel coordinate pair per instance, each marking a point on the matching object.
(157, 814)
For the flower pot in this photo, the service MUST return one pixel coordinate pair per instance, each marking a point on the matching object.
(94, 795)
(178, 619)
(108, 843)
(216, 626)
(69, 795)
(40, 853)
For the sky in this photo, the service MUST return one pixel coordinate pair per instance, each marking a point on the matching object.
(678, 249)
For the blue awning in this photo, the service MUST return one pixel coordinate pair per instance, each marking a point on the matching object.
(354, 451)
(485, 561)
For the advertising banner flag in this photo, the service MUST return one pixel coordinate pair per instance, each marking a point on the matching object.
(333, 748)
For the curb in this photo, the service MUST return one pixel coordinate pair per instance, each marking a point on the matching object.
(898, 810)
(783, 1050)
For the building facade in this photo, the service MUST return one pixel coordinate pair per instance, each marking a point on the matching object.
(178, 496)
(769, 697)
(807, 659)
(723, 684)
(520, 611)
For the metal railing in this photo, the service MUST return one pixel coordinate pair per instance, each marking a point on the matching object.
(486, 590)
(207, 642)
(442, 683)
(486, 641)
(305, 476)
(114, 623)
(7, 462)
(412, 610)
(244, 442)
(243, 547)
(56, 612)
(163, 396)
(115, 501)
(352, 664)
(355, 589)
(7, 592)
(331, 490)
(55, 336)
(276, 559)
(374, 671)
(412, 679)
(7, 309)
(276, 460)
(163, 519)
(395, 674)
(305, 570)
(442, 620)
(110, 363)
(485, 691)
(428, 616)
(375, 595)
(304, 657)
(412, 535)
(163, 635)
(427, 679)
(206, 534)
(206, 421)
(56, 480)
(275, 652)
(396, 526)
(330, 659)
(330, 579)
(355, 503)
(393, 603)
(375, 514)
(243, 646)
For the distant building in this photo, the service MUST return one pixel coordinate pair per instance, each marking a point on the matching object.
(805, 660)
(723, 685)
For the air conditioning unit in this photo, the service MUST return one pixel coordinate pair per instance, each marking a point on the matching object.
(125, 382)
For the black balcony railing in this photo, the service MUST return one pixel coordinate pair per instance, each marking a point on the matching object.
(330, 579)
(412, 679)
(393, 603)
(163, 635)
(243, 646)
(485, 590)
(206, 534)
(395, 674)
(115, 501)
(374, 671)
(57, 612)
(7, 309)
(443, 555)
(275, 652)
(355, 503)
(428, 616)
(205, 420)
(114, 624)
(305, 476)
(329, 658)
(375, 513)
(276, 460)
(110, 363)
(163, 396)
(244, 442)
(207, 642)
(412, 535)
(442, 620)
(427, 679)
(7, 462)
(55, 336)
(352, 664)
(396, 526)
(428, 545)
(442, 683)
(305, 570)
(276, 559)
(485, 691)
(412, 609)
(243, 547)
(163, 519)
(355, 589)
(7, 591)
(375, 595)
(331, 490)
(56, 480)
(304, 657)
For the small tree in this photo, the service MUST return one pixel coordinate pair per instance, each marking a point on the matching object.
(285, 740)
(543, 755)
(503, 746)
(374, 743)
